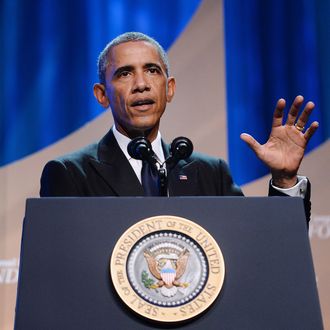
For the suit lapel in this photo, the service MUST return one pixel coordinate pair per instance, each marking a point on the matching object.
(183, 177)
(115, 169)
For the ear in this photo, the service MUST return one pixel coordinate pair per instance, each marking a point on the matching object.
(100, 95)
(170, 88)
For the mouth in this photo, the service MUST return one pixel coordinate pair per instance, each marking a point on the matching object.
(141, 103)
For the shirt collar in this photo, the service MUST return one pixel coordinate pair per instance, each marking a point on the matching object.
(123, 142)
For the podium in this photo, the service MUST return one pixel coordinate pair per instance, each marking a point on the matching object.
(64, 280)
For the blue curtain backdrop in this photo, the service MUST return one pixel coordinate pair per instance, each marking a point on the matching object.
(48, 65)
(48, 61)
(274, 48)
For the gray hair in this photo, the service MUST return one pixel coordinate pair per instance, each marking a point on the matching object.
(103, 61)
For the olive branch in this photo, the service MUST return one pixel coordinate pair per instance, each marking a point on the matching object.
(146, 280)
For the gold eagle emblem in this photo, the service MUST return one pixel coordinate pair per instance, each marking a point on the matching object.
(167, 264)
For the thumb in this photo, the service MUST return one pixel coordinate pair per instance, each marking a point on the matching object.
(251, 142)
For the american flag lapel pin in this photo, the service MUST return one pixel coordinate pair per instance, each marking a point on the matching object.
(183, 177)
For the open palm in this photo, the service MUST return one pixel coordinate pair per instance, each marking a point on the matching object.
(284, 150)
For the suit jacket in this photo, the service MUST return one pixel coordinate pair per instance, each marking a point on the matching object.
(101, 169)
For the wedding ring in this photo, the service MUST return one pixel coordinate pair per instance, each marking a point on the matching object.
(299, 128)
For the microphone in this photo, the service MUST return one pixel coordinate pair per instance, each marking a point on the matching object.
(181, 148)
(140, 148)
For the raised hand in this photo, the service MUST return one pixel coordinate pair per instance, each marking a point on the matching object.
(284, 150)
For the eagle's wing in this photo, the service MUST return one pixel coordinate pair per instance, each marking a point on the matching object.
(152, 264)
(181, 263)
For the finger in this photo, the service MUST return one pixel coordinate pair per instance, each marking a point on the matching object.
(278, 113)
(294, 110)
(251, 142)
(311, 130)
(303, 118)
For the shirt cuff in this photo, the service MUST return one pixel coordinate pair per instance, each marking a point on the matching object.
(299, 190)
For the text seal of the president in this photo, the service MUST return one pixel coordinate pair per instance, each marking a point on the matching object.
(167, 268)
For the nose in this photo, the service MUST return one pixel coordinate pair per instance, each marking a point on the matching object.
(141, 83)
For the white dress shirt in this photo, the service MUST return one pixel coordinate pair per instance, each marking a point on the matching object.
(299, 190)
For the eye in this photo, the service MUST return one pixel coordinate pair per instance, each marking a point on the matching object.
(153, 70)
(124, 74)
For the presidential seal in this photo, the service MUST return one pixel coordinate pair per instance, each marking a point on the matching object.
(167, 268)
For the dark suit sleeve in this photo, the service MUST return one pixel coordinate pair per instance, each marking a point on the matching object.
(307, 203)
(228, 187)
(56, 180)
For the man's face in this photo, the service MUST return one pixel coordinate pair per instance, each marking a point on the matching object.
(137, 88)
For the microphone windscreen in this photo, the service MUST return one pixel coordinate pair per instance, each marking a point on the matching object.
(181, 148)
(140, 148)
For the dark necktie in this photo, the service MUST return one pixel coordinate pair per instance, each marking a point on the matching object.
(150, 179)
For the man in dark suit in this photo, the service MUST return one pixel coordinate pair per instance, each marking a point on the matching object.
(135, 82)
